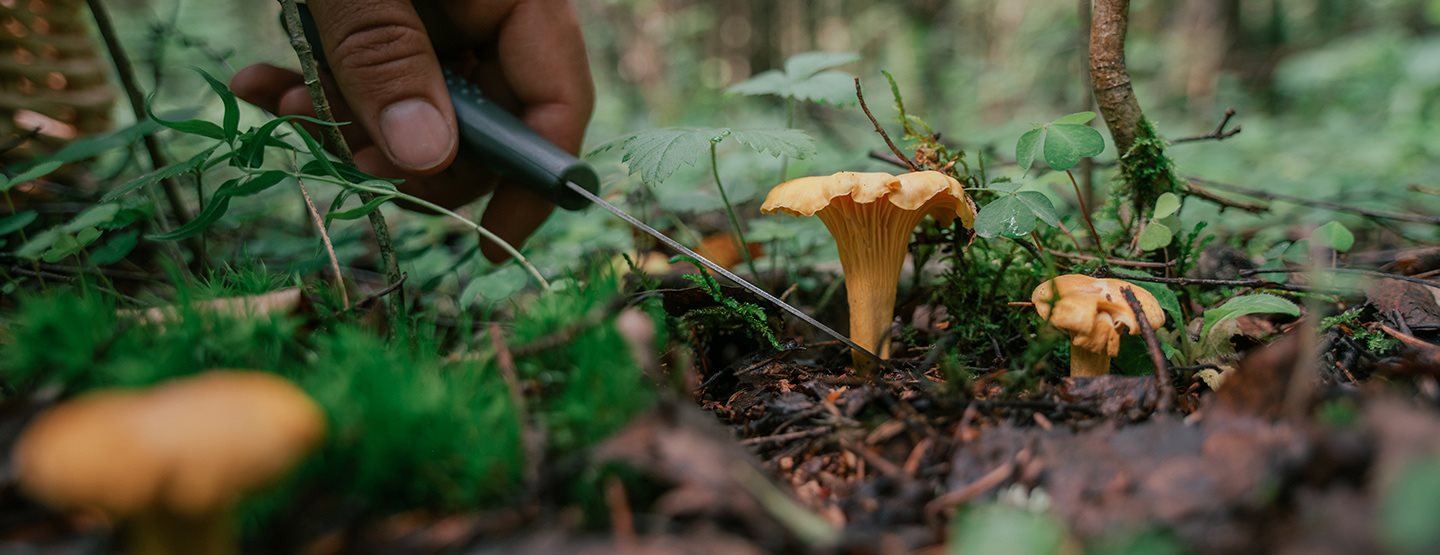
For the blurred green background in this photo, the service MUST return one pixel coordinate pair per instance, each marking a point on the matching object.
(1337, 99)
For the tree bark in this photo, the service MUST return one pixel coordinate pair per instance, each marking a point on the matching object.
(1114, 94)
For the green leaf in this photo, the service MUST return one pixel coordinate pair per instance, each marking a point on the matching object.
(257, 184)
(1004, 529)
(160, 174)
(656, 154)
(97, 215)
(191, 126)
(806, 64)
(493, 287)
(38, 171)
(1040, 206)
(251, 153)
(16, 222)
(1067, 143)
(1169, 302)
(805, 78)
(1028, 147)
(230, 126)
(321, 158)
(1166, 205)
(202, 221)
(359, 211)
(38, 244)
(116, 248)
(1408, 505)
(1259, 303)
(1333, 235)
(1155, 236)
(1006, 216)
(91, 146)
(1078, 118)
(790, 143)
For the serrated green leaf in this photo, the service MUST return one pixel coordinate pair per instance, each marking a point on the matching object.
(1333, 235)
(158, 175)
(116, 248)
(1078, 118)
(15, 222)
(1259, 303)
(1006, 216)
(38, 244)
(99, 214)
(1028, 147)
(656, 154)
(1155, 236)
(1040, 206)
(1166, 205)
(806, 64)
(791, 143)
(1067, 143)
(230, 125)
(38, 171)
(805, 78)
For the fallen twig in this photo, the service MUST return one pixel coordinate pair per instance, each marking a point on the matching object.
(1352, 271)
(1326, 205)
(325, 240)
(881, 130)
(1157, 357)
(989, 481)
(788, 436)
(1219, 134)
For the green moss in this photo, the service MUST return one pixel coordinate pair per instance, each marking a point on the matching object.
(1146, 170)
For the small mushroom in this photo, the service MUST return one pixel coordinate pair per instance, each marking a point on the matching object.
(871, 216)
(1094, 313)
(171, 461)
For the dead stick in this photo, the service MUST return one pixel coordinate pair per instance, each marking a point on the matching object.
(1157, 356)
(989, 481)
(1219, 134)
(1331, 206)
(337, 144)
(781, 438)
(859, 95)
(325, 240)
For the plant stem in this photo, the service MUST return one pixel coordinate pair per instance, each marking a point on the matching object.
(1085, 211)
(126, 71)
(337, 144)
(507, 247)
(730, 211)
(325, 240)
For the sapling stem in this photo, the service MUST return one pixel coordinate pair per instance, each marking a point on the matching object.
(1085, 211)
(730, 211)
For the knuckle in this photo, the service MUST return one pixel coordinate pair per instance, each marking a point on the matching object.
(380, 52)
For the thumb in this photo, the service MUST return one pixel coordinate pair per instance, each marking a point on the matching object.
(386, 68)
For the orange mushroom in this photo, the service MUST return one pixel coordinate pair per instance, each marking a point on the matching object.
(170, 461)
(871, 216)
(1094, 313)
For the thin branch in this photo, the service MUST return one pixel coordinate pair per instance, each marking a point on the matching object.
(126, 71)
(1196, 190)
(1351, 271)
(325, 240)
(1157, 357)
(1219, 134)
(1205, 282)
(895, 149)
(1085, 213)
(337, 144)
(1113, 261)
(1326, 205)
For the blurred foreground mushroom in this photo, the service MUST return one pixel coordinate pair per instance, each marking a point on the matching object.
(1094, 313)
(170, 461)
(871, 216)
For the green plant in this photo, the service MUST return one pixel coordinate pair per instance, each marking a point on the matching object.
(748, 315)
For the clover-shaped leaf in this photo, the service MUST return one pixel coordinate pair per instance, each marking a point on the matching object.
(1333, 235)
(1014, 214)
(1061, 143)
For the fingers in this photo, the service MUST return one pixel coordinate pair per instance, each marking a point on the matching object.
(264, 84)
(542, 56)
(386, 69)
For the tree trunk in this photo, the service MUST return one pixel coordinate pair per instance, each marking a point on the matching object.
(1113, 93)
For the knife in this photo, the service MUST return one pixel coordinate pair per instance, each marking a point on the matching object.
(508, 147)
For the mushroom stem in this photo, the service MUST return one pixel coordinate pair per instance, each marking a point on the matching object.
(873, 240)
(1088, 364)
(162, 532)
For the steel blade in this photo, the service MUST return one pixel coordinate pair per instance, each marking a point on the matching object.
(737, 280)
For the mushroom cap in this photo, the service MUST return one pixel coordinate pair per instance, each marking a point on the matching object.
(939, 194)
(1093, 311)
(190, 446)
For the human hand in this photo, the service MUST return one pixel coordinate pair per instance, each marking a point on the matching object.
(526, 55)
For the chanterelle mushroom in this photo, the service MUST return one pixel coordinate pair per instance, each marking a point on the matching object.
(1094, 313)
(172, 460)
(871, 216)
